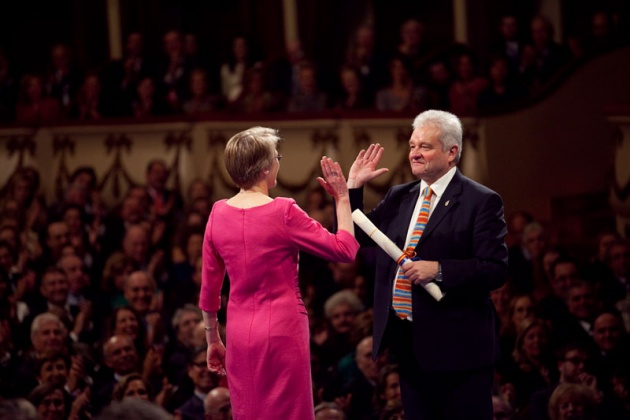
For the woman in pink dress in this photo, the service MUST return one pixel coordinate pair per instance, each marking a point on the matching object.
(256, 239)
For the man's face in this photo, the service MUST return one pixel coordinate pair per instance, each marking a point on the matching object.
(54, 371)
(199, 374)
(136, 245)
(72, 219)
(121, 355)
(572, 366)
(619, 259)
(218, 402)
(132, 211)
(58, 236)
(364, 361)
(52, 406)
(186, 327)
(73, 267)
(157, 175)
(534, 241)
(342, 318)
(49, 338)
(54, 288)
(428, 161)
(607, 331)
(563, 276)
(581, 302)
(6, 258)
(509, 27)
(139, 291)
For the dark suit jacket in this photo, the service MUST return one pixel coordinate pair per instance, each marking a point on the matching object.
(465, 232)
(192, 409)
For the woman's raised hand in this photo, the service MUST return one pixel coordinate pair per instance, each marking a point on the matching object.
(333, 181)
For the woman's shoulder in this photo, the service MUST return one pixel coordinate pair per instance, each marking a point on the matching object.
(219, 204)
(284, 203)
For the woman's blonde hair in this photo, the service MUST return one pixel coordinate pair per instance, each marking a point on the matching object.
(248, 153)
(576, 394)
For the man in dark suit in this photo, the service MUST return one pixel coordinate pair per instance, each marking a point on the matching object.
(446, 349)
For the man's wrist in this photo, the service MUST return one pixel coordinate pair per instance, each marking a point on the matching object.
(438, 274)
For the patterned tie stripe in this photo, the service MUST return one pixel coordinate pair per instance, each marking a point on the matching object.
(401, 301)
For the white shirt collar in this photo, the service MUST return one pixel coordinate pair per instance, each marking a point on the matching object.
(440, 185)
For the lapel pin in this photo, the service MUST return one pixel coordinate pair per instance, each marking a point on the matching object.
(446, 204)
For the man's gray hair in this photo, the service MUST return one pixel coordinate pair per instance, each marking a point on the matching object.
(189, 307)
(18, 409)
(46, 316)
(134, 409)
(451, 131)
(346, 296)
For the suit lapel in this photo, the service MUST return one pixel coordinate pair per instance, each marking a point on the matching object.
(448, 201)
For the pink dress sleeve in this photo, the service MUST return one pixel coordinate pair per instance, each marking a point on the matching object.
(212, 273)
(309, 235)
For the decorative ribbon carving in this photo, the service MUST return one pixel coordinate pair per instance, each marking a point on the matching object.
(62, 145)
(116, 144)
(183, 139)
(21, 146)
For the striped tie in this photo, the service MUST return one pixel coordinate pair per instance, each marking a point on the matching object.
(402, 290)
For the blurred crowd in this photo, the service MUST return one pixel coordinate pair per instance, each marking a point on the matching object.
(98, 303)
(409, 76)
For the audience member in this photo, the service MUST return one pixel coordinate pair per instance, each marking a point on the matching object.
(132, 385)
(217, 404)
(203, 381)
(174, 71)
(146, 102)
(124, 75)
(308, 97)
(34, 106)
(413, 47)
(232, 72)
(401, 94)
(575, 366)
(509, 42)
(353, 95)
(90, 104)
(256, 96)
(200, 99)
(364, 55)
(549, 55)
(467, 86)
(503, 89)
(571, 401)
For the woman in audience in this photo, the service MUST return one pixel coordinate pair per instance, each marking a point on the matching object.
(533, 363)
(465, 90)
(353, 95)
(401, 94)
(34, 107)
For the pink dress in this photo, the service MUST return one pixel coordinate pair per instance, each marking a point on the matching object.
(267, 338)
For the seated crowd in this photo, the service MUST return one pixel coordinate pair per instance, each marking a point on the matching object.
(410, 76)
(99, 305)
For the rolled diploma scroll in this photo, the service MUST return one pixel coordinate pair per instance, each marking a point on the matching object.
(390, 248)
